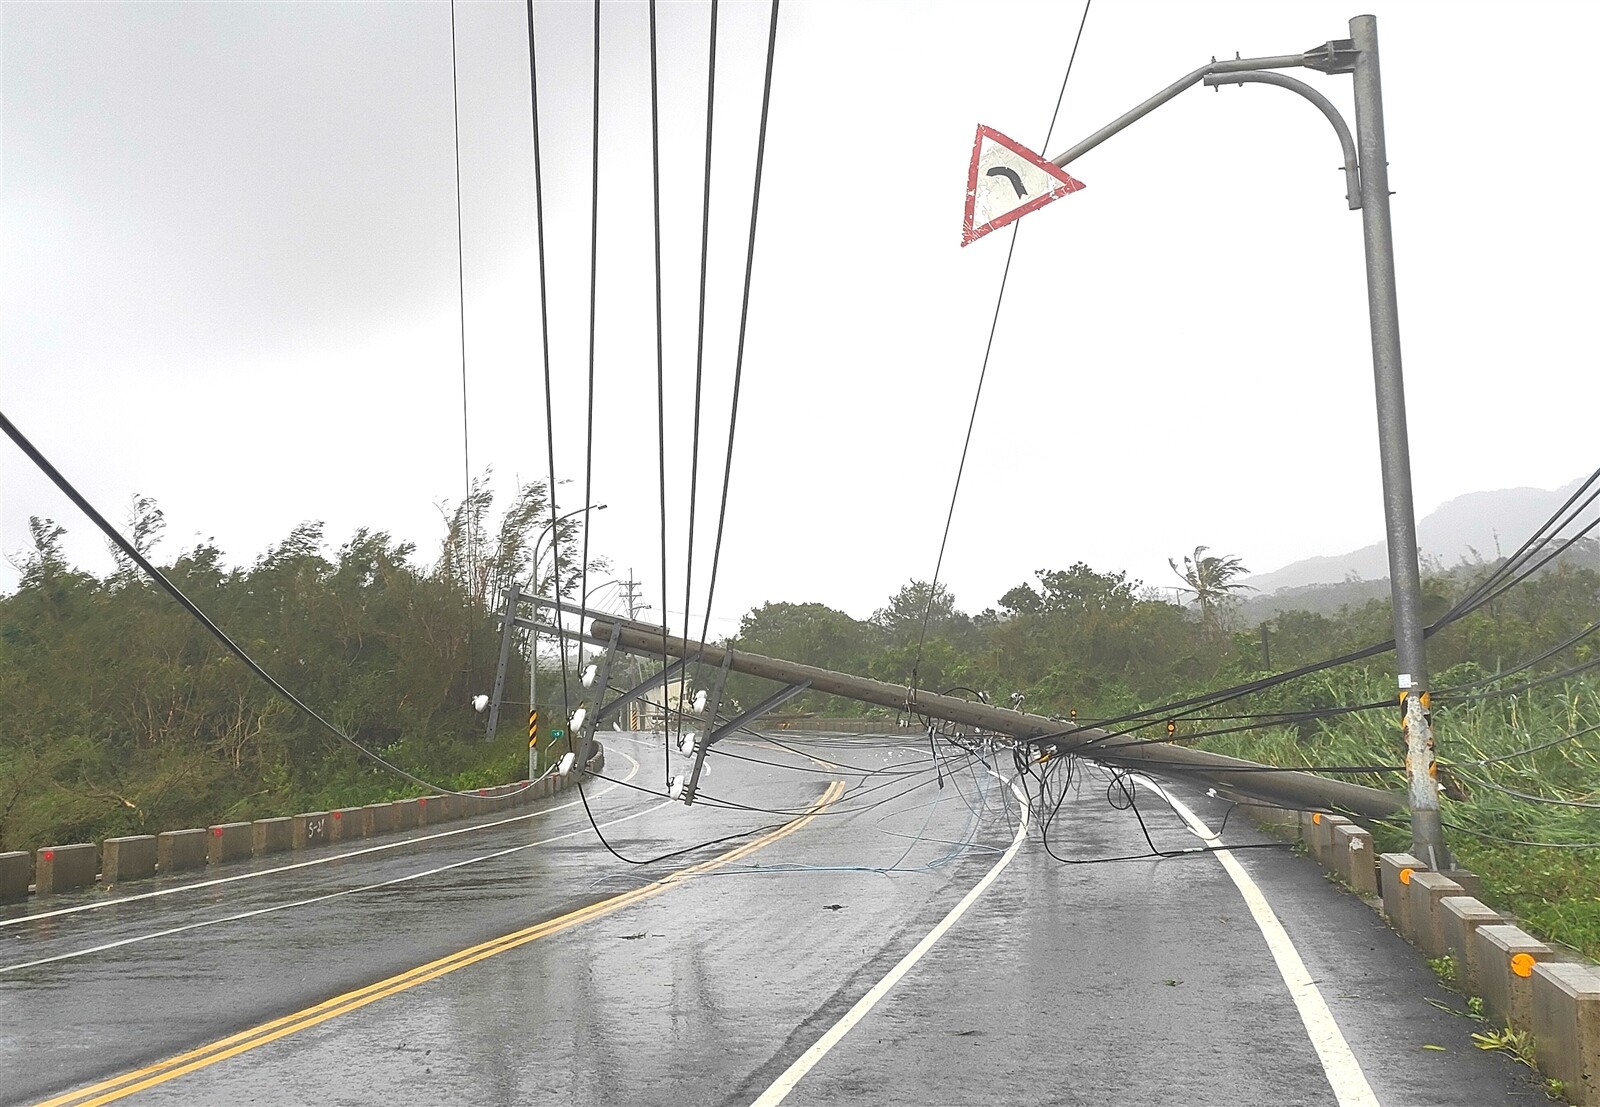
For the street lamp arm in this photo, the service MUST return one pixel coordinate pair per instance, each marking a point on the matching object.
(1352, 174)
(1122, 122)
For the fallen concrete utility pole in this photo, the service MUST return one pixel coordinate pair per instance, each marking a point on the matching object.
(1299, 790)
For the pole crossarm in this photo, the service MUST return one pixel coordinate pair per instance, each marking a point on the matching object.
(639, 691)
(771, 703)
(1288, 787)
(1352, 173)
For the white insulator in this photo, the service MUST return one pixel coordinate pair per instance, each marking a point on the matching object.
(700, 700)
(480, 703)
(589, 675)
(566, 763)
(578, 716)
(675, 789)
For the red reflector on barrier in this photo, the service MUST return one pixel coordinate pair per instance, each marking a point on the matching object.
(216, 832)
(338, 814)
(49, 855)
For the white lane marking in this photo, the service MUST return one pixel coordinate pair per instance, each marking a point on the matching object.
(319, 899)
(473, 829)
(1339, 1062)
(781, 1087)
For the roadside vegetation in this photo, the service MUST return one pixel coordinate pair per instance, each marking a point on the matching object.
(119, 715)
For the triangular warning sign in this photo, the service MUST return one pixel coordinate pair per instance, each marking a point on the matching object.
(1006, 182)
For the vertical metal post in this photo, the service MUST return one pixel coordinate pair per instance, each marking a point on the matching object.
(1405, 578)
(533, 661)
(507, 631)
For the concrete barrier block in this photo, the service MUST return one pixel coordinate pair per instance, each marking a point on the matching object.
(229, 842)
(132, 858)
(1469, 880)
(1311, 833)
(1280, 822)
(1394, 874)
(313, 828)
(1425, 891)
(63, 868)
(271, 836)
(1354, 859)
(1566, 1026)
(382, 818)
(177, 850)
(16, 872)
(405, 814)
(349, 823)
(1506, 958)
(1459, 919)
(430, 810)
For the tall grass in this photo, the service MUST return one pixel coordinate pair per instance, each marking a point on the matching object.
(1530, 742)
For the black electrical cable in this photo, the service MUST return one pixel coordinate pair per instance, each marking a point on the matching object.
(661, 357)
(1517, 689)
(744, 317)
(665, 856)
(132, 553)
(1475, 833)
(1264, 722)
(1509, 565)
(1154, 852)
(1521, 575)
(1527, 796)
(544, 336)
(700, 333)
(983, 372)
(1563, 740)
(1455, 689)
(594, 301)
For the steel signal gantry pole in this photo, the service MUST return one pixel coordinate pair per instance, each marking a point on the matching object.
(1358, 55)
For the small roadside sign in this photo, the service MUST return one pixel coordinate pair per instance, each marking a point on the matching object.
(1007, 181)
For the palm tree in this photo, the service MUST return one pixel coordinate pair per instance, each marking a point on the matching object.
(1210, 581)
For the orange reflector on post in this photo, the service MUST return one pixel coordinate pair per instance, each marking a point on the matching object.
(1522, 964)
(1316, 818)
(1406, 875)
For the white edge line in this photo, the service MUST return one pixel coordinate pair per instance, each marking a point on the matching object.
(781, 1087)
(118, 901)
(1339, 1062)
(319, 899)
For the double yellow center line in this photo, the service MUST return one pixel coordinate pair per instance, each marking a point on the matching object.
(173, 1067)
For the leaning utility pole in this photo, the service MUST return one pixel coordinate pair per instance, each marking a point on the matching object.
(1299, 790)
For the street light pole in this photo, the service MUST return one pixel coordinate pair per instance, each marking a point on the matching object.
(1358, 55)
(1405, 577)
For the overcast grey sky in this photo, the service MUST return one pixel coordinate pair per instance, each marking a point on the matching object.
(229, 279)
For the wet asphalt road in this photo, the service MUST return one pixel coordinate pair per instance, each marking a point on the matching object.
(1142, 981)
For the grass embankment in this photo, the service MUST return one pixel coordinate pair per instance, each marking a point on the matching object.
(1537, 742)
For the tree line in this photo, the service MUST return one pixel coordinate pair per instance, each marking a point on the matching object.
(120, 715)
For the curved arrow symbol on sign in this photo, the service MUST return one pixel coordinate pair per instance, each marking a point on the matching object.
(1011, 175)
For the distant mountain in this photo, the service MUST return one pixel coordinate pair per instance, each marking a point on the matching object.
(1493, 524)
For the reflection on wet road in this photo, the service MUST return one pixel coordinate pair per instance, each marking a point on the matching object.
(522, 961)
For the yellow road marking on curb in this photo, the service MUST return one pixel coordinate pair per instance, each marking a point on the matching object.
(173, 1067)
